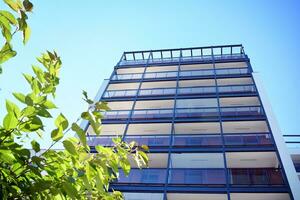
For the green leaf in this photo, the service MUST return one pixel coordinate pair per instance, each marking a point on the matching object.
(27, 5)
(29, 100)
(39, 73)
(125, 164)
(144, 157)
(57, 134)
(10, 121)
(26, 34)
(49, 104)
(102, 106)
(86, 98)
(62, 122)
(70, 190)
(33, 124)
(145, 147)
(28, 78)
(12, 107)
(13, 5)
(10, 17)
(28, 111)
(44, 113)
(6, 34)
(6, 155)
(69, 146)
(6, 53)
(35, 146)
(80, 132)
(19, 96)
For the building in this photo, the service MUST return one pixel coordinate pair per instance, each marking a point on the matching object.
(211, 133)
(293, 144)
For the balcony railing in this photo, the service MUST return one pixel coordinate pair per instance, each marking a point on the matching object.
(197, 177)
(203, 90)
(255, 139)
(145, 176)
(187, 73)
(94, 140)
(150, 140)
(256, 176)
(245, 111)
(253, 177)
(152, 114)
(186, 113)
(119, 93)
(190, 140)
(199, 140)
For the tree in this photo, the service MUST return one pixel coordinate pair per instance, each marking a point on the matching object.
(72, 173)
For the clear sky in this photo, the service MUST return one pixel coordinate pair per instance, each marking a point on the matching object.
(90, 37)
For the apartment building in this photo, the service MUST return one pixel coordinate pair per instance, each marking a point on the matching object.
(210, 131)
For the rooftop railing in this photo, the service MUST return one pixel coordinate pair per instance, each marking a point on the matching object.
(195, 54)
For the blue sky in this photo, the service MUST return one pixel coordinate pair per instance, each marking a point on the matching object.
(90, 37)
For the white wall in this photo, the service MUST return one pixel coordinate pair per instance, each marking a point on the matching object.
(277, 134)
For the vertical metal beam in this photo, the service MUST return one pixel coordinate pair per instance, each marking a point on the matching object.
(226, 171)
(172, 134)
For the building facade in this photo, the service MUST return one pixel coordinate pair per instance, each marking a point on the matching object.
(202, 115)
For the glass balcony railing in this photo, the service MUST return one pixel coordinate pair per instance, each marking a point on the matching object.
(127, 77)
(145, 176)
(116, 115)
(152, 114)
(253, 177)
(188, 73)
(203, 90)
(197, 90)
(157, 92)
(185, 113)
(255, 139)
(150, 140)
(157, 75)
(256, 176)
(237, 89)
(119, 93)
(245, 111)
(94, 140)
(197, 176)
(236, 71)
(188, 140)
(197, 113)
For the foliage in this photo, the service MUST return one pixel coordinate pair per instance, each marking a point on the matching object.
(72, 173)
(12, 22)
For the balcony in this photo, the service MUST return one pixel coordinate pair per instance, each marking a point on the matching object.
(152, 141)
(206, 196)
(204, 177)
(144, 176)
(200, 91)
(191, 141)
(256, 177)
(182, 74)
(213, 177)
(211, 113)
(243, 140)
